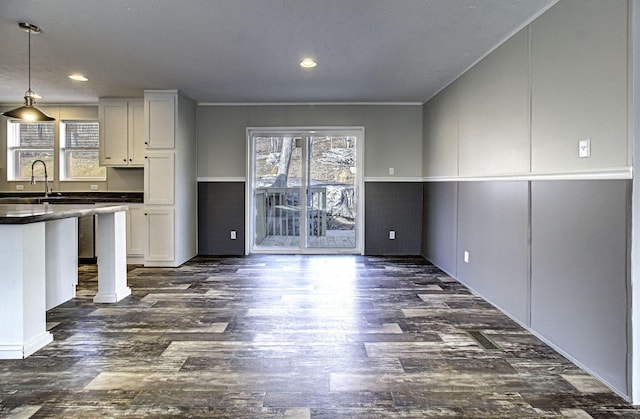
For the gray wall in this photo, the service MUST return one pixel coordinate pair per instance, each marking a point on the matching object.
(578, 271)
(495, 89)
(493, 227)
(579, 85)
(551, 253)
(393, 138)
(389, 206)
(461, 138)
(393, 206)
(440, 225)
(221, 207)
(490, 221)
(393, 135)
(523, 109)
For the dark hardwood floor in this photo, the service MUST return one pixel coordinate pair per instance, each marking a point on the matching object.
(295, 337)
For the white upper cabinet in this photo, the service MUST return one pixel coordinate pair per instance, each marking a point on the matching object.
(121, 132)
(113, 133)
(136, 133)
(160, 116)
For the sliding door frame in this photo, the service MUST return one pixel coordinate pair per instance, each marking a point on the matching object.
(249, 187)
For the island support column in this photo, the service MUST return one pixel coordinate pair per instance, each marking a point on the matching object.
(23, 321)
(112, 258)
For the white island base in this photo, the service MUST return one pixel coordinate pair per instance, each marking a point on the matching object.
(38, 271)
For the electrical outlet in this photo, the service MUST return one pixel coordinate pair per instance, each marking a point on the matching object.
(466, 257)
(234, 235)
(392, 171)
(94, 187)
(392, 234)
(584, 148)
(19, 187)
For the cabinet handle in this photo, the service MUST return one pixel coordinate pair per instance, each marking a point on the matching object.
(146, 142)
(130, 159)
(146, 157)
(124, 160)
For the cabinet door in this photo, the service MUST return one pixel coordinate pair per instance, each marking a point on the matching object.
(159, 178)
(136, 133)
(159, 111)
(160, 236)
(113, 133)
(136, 230)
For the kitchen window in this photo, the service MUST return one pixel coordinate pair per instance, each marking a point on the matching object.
(27, 142)
(79, 151)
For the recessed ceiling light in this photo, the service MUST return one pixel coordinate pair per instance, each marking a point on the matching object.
(308, 63)
(78, 77)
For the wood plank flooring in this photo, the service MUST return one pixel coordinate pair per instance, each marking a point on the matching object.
(295, 337)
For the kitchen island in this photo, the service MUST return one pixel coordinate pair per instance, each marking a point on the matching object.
(38, 267)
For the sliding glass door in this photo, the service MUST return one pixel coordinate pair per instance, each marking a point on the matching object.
(304, 191)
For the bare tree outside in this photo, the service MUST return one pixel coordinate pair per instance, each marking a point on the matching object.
(284, 162)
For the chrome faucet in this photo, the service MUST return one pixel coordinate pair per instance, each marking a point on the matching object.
(46, 180)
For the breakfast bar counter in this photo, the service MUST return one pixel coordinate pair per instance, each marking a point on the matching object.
(39, 267)
(33, 213)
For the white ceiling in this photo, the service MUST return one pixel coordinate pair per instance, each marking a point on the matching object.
(247, 51)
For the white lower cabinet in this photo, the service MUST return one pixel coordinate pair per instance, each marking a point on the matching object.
(160, 236)
(136, 233)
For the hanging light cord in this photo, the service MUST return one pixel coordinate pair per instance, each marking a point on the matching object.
(29, 60)
(29, 92)
(30, 29)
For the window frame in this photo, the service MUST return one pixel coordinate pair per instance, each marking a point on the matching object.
(65, 151)
(14, 148)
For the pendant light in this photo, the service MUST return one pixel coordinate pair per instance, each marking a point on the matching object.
(28, 112)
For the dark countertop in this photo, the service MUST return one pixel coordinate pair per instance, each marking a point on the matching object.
(80, 197)
(34, 213)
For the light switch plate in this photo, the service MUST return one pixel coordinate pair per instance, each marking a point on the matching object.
(584, 148)
(466, 257)
(234, 236)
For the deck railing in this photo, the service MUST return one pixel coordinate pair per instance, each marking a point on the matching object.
(278, 212)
